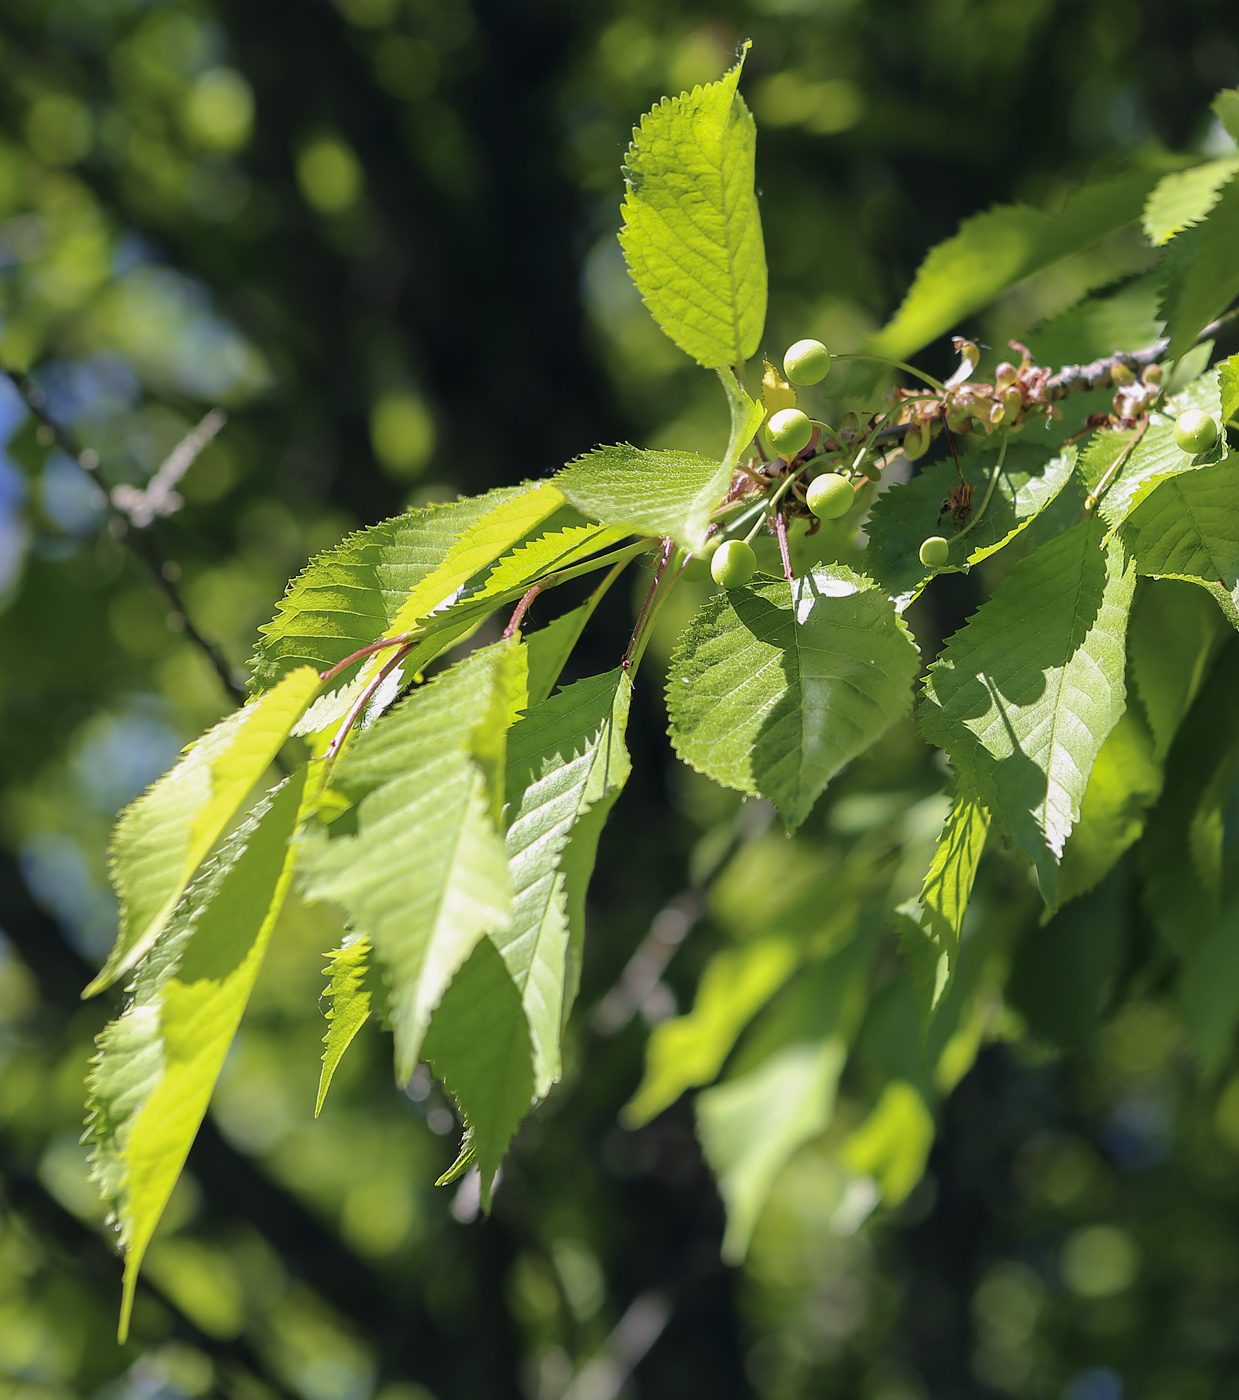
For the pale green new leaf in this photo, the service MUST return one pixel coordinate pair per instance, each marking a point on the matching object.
(688, 1051)
(1228, 387)
(424, 873)
(348, 596)
(933, 924)
(997, 250)
(157, 1063)
(1029, 480)
(1022, 698)
(350, 996)
(1202, 273)
(1188, 529)
(1154, 458)
(648, 492)
(566, 765)
(161, 839)
(692, 231)
(478, 1045)
(751, 1124)
(1184, 197)
(486, 540)
(775, 686)
(546, 554)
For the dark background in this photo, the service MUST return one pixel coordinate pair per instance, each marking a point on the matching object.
(381, 233)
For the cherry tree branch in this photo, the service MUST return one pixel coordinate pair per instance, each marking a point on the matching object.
(163, 571)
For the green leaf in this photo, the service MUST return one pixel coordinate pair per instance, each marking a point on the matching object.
(688, 1051)
(1226, 107)
(751, 1124)
(774, 687)
(1022, 698)
(892, 1144)
(486, 540)
(1188, 528)
(1155, 457)
(1030, 479)
(1208, 992)
(350, 994)
(692, 230)
(1125, 782)
(1228, 387)
(566, 765)
(1064, 972)
(1117, 318)
(157, 1064)
(930, 934)
(997, 250)
(1202, 273)
(348, 597)
(648, 492)
(549, 648)
(1184, 197)
(478, 1045)
(161, 839)
(1172, 640)
(1181, 856)
(424, 874)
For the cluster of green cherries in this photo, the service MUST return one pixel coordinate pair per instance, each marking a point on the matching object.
(830, 496)
(789, 431)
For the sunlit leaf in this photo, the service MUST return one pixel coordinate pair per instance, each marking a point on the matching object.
(997, 250)
(934, 922)
(1184, 197)
(775, 686)
(751, 1124)
(157, 1063)
(162, 838)
(349, 994)
(478, 1045)
(566, 765)
(1022, 698)
(424, 873)
(692, 230)
(688, 1051)
(1029, 480)
(1201, 272)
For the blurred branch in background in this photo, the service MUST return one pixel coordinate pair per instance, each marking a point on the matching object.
(132, 511)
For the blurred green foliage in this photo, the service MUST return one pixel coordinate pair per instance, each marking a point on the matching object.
(381, 234)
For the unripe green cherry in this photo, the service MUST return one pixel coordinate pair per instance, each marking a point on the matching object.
(806, 362)
(830, 496)
(733, 564)
(789, 431)
(1194, 431)
(934, 552)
